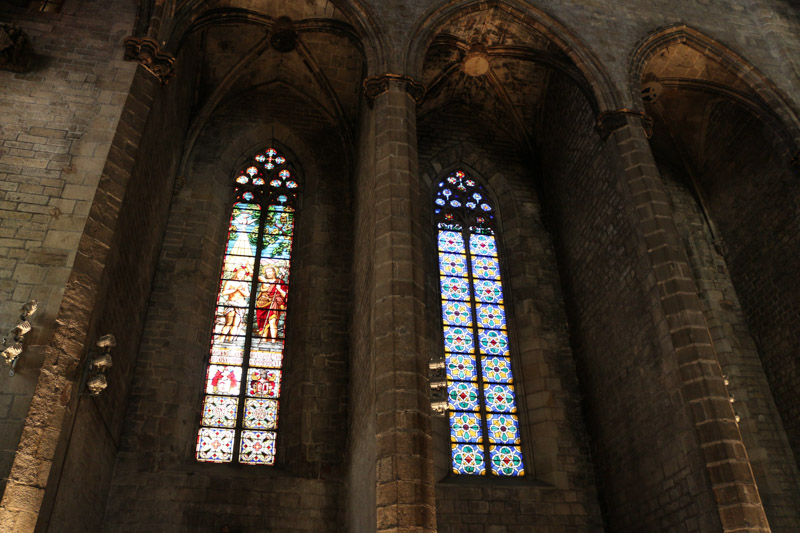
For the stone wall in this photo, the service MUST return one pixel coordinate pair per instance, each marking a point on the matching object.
(56, 126)
(650, 475)
(767, 445)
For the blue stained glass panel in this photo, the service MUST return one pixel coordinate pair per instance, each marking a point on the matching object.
(488, 291)
(485, 267)
(455, 288)
(451, 241)
(491, 316)
(493, 342)
(456, 313)
(277, 246)
(503, 428)
(465, 427)
(461, 366)
(497, 369)
(468, 459)
(452, 265)
(499, 398)
(458, 339)
(506, 460)
(482, 245)
(462, 396)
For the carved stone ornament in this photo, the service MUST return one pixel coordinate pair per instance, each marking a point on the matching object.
(147, 52)
(374, 86)
(609, 121)
(283, 38)
(16, 53)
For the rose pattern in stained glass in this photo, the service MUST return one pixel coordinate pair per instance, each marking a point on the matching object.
(220, 411)
(461, 366)
(263, 382)
(506, 460)
(451, 241)
(482, 245)
(257, 448)
(456, 313)
(468, 459)
(503, 428)
(260, 414)
(491, 316)
(247, 342)
(493, 342)
(465, 427)
(488, 291)
(499, 398)
(485, 268)
(462, 396)
(455, 288)
(215, 445)
(458, 339)
(452, 265)
(225, 380)
(497, 370)
(473, 317)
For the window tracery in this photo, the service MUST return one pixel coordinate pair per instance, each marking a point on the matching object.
(481, 401)
(243, 374)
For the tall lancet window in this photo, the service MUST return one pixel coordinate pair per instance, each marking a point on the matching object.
(243, 376)
(481, 403)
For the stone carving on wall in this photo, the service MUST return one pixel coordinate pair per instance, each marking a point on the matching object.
(149, 55)
(16, 53)
(609, 121)
(374, 86)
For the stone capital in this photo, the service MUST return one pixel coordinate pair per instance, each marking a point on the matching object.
(374, 86)
(149, 55)
(609, 121)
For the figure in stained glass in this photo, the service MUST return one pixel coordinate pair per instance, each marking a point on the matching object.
(270, 301)
(234, 295)
(247, 345)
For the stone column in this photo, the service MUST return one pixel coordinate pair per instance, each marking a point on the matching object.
(699, 376)
(389, 344)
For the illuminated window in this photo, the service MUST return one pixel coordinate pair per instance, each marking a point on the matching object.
(243, 375)
(481, 402)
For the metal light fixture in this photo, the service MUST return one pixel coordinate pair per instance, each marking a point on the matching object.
(95, 373)
(17, 334)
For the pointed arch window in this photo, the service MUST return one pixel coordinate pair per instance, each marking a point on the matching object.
(481, 401)
(243, 375)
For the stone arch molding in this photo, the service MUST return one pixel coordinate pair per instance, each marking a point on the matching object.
(766, 99)
(170, 22)
(606, 97)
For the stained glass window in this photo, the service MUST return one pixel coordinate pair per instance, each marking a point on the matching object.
(481, 400)
(243, 375)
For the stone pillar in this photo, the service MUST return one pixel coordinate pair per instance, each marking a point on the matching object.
(699, 376)
(389, 345)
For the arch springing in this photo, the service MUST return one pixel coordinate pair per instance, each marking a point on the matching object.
(481, 402)
(243, 375)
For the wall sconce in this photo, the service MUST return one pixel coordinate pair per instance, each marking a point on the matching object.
(438, 380)
(95, 372)
(11, 353)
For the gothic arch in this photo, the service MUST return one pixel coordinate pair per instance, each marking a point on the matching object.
(603, 95)
(757, 92)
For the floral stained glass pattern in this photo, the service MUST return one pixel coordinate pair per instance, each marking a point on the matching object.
(484, 429)
(243, 376)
